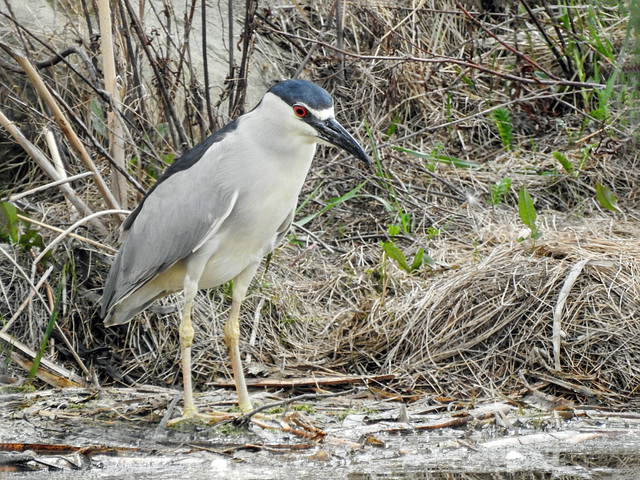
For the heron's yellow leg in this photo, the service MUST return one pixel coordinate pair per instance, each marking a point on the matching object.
(186, 341)
(232, 335)
(231, 339)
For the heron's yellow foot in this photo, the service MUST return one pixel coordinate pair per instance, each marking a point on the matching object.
(210, 418)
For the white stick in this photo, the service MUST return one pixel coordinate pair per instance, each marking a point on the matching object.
(558, 334)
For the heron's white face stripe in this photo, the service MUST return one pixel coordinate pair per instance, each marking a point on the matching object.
(323, 114)
(275, 121)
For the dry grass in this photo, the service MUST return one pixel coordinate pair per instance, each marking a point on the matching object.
(481, 322)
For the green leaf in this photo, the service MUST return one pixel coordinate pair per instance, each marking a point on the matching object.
(30, 239)
(394, 230)
(9, 222)
(464, 78)
(606, 198)
(599, 113)
(169, 158)
(414, 153)
(564, 161)
(527, 210)
(394, 252)
(499, 190)
(505, 127)
(634, 16)
(456, 162)
(541, 75)
(468, 81)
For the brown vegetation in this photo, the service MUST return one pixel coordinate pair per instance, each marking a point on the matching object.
(483, 318)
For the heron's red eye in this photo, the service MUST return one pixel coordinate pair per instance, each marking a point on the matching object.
(300, 111)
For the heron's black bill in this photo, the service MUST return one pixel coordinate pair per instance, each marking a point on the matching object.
(332, 132)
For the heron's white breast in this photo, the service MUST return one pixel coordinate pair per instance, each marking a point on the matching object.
(268, 173)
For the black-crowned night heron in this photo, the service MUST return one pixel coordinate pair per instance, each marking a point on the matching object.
(218, 210)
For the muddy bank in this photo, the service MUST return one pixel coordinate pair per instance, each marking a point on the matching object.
(119, 433)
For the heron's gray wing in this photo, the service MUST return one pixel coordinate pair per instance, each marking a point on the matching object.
(174, 218)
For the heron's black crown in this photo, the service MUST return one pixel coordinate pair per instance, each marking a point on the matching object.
(296, 91)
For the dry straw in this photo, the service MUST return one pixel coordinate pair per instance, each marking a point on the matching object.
(491, 317)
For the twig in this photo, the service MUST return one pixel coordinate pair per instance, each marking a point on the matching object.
(70, 234)
(114, 123)
(36, 154)
(581, 389)
(296, 46)
(158, 433)
(26, 277)
(73, 352)
(519, 54)
(484, 112)
(205, 67)
(63, 123)
(231, 57)
(57, 58)
(317, 239)
(54, 151)
(18, 196)
(443, 59)
(64, 234)
(167, 100)
(53, 374)
(314, 47)
(183, 50)
(91, 82)
(554, 50)
(556, 337)
(236, 107)
(243, 420)
(26, 301)
(98, 145)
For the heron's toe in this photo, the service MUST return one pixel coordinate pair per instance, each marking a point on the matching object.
(193, 416)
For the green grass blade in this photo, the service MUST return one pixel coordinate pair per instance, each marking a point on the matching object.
(393, 127)
(456, 162)
(417, 260)
(374, 150)
(310, 196)
(427, 260)
(52, 322)
(332, 203)
(564, 161)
